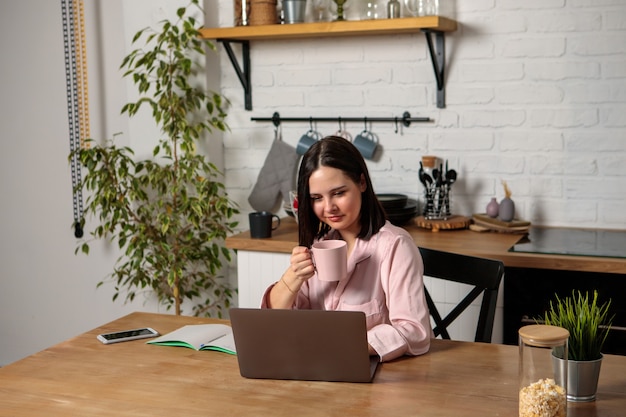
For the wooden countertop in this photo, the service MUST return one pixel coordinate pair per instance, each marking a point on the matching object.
(467, 242)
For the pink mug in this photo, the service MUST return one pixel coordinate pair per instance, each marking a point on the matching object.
(331, 259)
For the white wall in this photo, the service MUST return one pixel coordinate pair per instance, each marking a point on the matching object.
(48, 294)
(536, 96)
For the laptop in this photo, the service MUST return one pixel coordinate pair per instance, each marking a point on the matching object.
(310, 345)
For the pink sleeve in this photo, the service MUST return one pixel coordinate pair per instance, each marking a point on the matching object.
(402, 278)
(265, 300)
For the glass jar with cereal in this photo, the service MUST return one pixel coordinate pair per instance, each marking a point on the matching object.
(542, 386)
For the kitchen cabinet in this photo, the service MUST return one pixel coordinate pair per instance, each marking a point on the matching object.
(529, 291)
(431, 26)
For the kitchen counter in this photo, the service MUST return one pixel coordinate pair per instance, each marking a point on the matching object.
(487, 244)
(530, 281)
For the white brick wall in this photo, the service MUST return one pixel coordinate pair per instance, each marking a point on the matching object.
(536, 96)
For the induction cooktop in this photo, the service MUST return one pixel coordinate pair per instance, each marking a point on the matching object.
(583, 242)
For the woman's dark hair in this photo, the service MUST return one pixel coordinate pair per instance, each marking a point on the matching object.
(335, 152)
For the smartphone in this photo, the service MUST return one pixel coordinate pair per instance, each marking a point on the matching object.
(126, 335)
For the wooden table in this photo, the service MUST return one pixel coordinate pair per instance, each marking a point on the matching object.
(467, 242)
(82, 377)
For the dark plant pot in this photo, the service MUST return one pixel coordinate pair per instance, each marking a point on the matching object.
(582, 378)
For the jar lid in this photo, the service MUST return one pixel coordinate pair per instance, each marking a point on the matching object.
(542, 335)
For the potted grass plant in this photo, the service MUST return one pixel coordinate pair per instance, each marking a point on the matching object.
(588, 323)
(168, 214)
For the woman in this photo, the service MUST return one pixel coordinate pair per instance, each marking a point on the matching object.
(337, 201)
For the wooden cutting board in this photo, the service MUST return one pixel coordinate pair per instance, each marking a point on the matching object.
(451, 223)
(483, 218)
(484, 223)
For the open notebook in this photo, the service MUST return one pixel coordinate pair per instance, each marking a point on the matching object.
(313, 345)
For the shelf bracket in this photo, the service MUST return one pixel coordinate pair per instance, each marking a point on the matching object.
(242, 74)
(438, 58)
(436, 50)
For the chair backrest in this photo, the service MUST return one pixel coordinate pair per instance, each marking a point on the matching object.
(484, 274)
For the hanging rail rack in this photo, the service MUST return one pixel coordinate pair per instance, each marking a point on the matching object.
(406, 119)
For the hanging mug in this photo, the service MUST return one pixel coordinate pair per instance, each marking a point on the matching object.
(367, 143)
(306, 141)
(343, 134)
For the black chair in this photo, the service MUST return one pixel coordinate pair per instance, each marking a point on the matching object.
(484, 274)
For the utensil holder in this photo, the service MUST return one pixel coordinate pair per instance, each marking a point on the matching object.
(437, 205)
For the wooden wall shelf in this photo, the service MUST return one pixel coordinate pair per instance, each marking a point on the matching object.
(330, 29)
(429, 25)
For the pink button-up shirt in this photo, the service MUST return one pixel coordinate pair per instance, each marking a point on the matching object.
(385, 281)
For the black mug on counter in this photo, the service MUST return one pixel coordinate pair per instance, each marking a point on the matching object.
(261, 224)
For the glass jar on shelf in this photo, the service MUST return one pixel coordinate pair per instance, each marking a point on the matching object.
(422, 7)
(242, 11)
(318, 10)
(393, 9)
(367, 9)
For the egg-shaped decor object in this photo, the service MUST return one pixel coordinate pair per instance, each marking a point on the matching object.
(493, 208)
(506, 211)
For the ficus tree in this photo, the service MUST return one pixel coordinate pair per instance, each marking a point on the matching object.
(168, 214)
